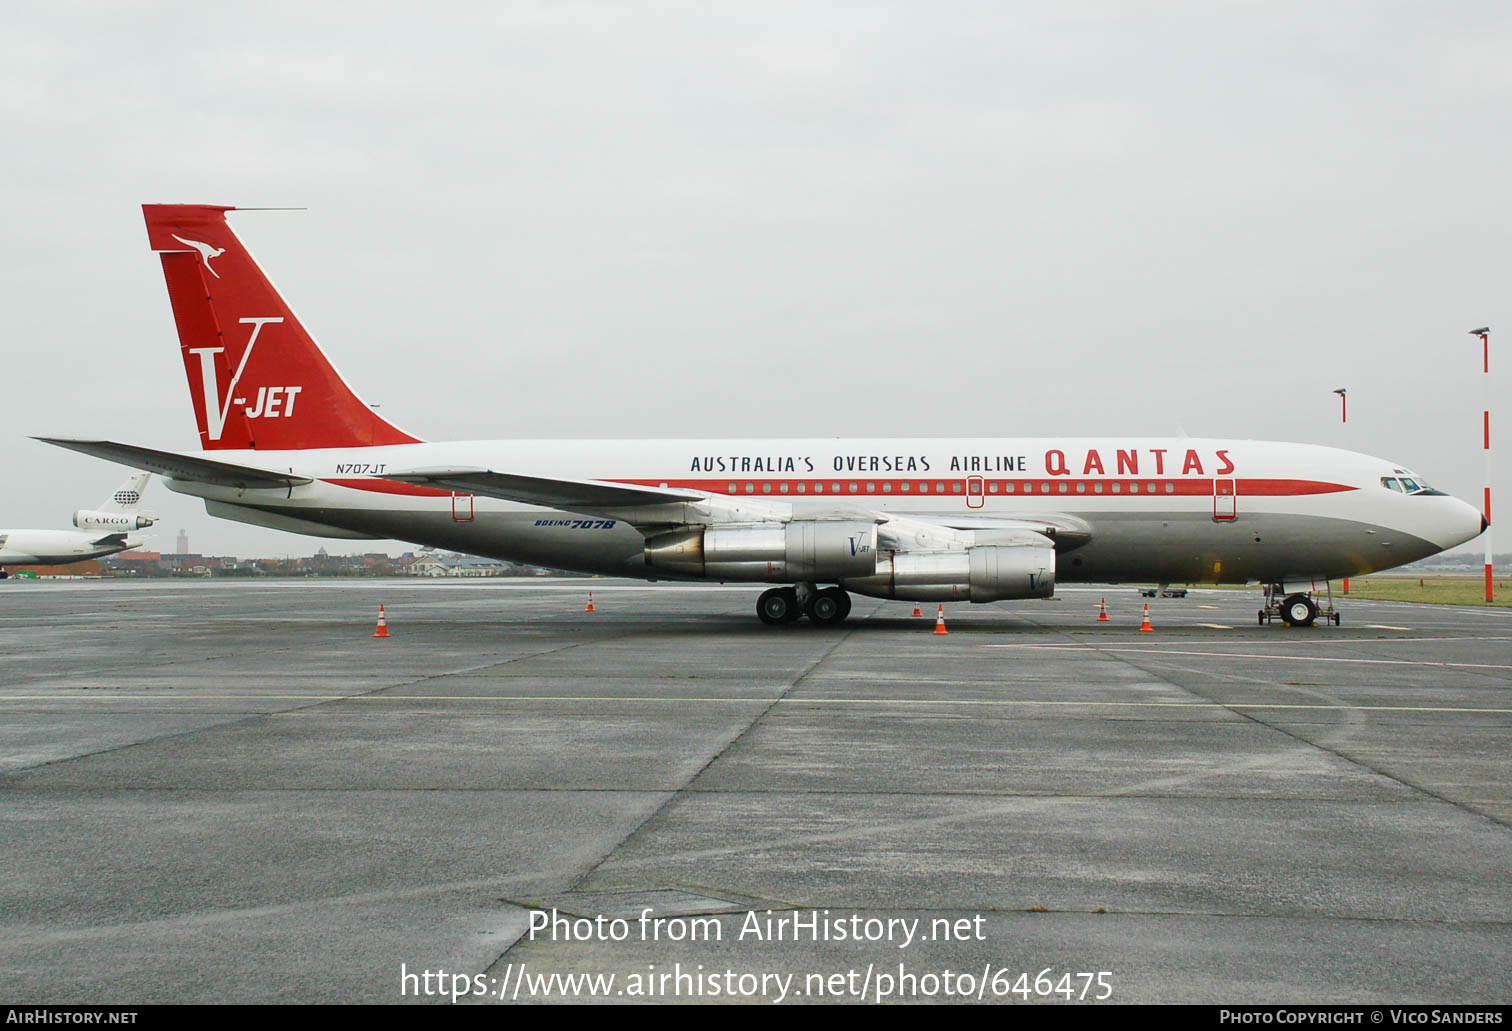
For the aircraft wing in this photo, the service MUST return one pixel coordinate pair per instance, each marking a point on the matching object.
(180, 467)
(570, 495)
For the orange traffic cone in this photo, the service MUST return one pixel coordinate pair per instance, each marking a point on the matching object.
(940, 623)
(382, 630)
(917, 613)
(1145, 627)
(590, 607)
(1102, 611)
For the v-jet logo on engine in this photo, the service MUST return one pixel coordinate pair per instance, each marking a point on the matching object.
(272, 402)
(859, 546)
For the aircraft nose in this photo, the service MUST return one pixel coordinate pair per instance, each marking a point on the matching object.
(1453, 522)
(1465, 523)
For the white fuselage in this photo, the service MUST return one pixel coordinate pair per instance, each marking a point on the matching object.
(1200, 510)
(57, 547)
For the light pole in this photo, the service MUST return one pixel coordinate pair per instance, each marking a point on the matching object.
(1343, 418)
(1485, 334)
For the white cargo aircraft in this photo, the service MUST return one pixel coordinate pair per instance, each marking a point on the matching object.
(285, 443)
(103, 530)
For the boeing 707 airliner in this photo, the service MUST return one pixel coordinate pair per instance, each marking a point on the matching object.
(285, 443)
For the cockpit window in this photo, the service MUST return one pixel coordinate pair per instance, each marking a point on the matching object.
(1409, 484)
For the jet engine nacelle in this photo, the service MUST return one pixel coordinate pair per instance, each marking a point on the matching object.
(114, 522)
(996, 573)
(807, 549)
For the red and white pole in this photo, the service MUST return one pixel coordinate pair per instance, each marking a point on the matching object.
(1485, 334)
(1343, 418)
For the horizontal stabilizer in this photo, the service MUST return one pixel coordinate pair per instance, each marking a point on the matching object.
(572, 495)
(180, 467)
(109, 539)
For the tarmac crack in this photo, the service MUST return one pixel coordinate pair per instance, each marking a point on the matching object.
(1123, 656)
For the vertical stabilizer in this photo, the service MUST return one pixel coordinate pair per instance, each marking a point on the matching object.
(257, 377)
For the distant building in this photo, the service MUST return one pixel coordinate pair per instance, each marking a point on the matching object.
(458, 565)
(183, 542)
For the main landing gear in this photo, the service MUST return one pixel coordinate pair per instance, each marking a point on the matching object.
(826, 607)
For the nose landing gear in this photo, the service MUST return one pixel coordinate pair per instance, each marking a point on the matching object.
(1296, 610)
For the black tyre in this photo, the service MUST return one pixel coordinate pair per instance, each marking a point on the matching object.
(845, 602)
(1299, 610)
(825, 608)
(1260, 617)
(777, 606)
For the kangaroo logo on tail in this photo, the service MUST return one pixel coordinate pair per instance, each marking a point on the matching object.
(206, 251)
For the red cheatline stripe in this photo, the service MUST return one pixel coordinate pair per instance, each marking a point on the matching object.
(1131, 488)
(955, 485)
(392, 487)
(1487, 415)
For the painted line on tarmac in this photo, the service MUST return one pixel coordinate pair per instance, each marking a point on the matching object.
(799, 702)
(1259, 656)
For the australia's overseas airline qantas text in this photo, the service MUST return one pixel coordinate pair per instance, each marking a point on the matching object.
(285, 443)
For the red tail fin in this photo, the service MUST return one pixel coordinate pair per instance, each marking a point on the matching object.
(257, 377)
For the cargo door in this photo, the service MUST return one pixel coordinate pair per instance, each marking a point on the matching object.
(1225, 500)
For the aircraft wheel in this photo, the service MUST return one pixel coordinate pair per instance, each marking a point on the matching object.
(828, 607)
(1298, 610)
(778, 605)
(1260, 617)
(845, 603)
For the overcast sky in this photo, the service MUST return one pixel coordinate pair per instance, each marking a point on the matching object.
(635, 220)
